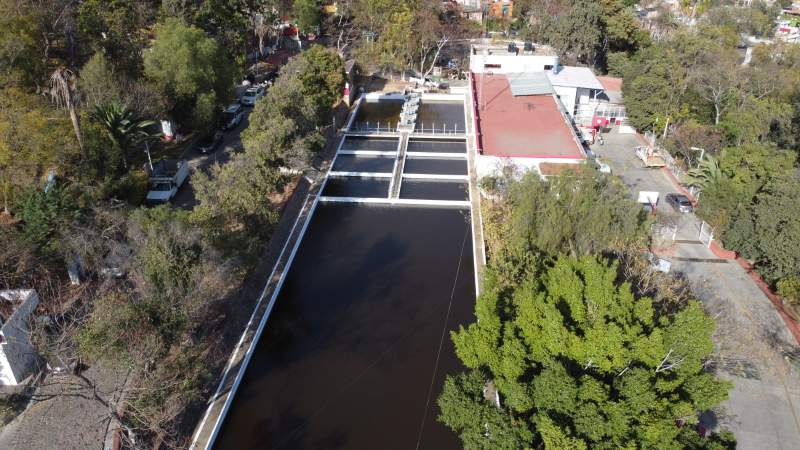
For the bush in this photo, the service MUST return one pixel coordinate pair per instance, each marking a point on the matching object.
(789, 289)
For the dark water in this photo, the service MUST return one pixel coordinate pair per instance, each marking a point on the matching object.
(348, 355)
(434, 190)
(365, 143)
(356, 187)
(351, 163)
(436, 166)
(383, 112)
(441, 116)
(436, 145)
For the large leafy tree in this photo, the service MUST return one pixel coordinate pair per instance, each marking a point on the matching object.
(115, 28)
(579, 361)
(577, 30)
(191, 70)
(577, 213)
(284, 124)
(308, 14)
(769, 232)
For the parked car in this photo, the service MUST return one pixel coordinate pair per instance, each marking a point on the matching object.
(232, 116)
(251, 95)
(680, 202)
(166, 178)
(209, 142)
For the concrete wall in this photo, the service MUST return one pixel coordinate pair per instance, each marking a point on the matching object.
(568, 97)
(510, 63)
(572, 96)
(494, 165)
(17, 355)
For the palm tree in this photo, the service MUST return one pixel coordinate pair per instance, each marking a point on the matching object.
(123, 127)
(705, 174)
(63, 84)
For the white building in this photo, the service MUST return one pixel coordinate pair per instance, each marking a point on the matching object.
(18, 357)
(499, 59)
(574, 86)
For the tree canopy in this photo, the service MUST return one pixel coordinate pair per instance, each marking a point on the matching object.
(579, 361)
(190, 69)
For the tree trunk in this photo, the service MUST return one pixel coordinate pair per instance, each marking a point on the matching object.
(73, 115)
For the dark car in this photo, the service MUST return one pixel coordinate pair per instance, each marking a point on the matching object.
(209, 142)
(680, 202)
(232, 116)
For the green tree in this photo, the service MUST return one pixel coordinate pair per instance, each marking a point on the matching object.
(580, 362)
(577, 30)
(115, 28)
(578, 214)
(191, 70)
(321, 72)
(652, 88)
(768, 233)
(33, 139)
(308, 14)
(20, 62)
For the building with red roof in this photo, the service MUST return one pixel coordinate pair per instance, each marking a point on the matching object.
(519, 120)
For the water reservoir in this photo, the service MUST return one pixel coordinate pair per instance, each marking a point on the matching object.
(349, 357)
(352, 163)
(440, 116)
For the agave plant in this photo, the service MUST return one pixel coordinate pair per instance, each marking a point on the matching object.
(123, 127)
(705, 174)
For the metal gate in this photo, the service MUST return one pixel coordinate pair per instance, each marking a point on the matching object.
(706, 234)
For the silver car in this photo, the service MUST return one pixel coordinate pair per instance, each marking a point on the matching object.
(251, 95)
(680, 202)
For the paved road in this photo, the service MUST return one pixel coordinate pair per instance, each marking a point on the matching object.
(753, 348)
(231, 142)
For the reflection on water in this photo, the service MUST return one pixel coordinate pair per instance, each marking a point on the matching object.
(356, 187)
(433, 190)
(440, 117)
(384, 113)
(348, 354)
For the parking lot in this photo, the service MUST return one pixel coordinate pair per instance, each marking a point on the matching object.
(753, 348)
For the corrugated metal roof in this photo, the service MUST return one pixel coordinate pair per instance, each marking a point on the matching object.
(529, 83)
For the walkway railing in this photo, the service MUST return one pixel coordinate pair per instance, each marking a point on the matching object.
(373, 127)
(439, 128)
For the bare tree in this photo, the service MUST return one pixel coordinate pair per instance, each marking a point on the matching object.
(63, 84)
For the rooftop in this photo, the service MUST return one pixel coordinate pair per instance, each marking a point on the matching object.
(500, 47)
(579, 77)
(10, 300)
(610, 84)
(531, 126)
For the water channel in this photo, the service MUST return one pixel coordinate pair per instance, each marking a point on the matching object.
(355, 351)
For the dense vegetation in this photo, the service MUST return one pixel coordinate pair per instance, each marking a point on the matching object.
(693, 89)
(577, 344)
(83, 87)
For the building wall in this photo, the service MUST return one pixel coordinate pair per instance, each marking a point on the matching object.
(510, 63)
(17, 354)
(493, 165)
(568, 97)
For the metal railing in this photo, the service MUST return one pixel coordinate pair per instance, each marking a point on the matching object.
(373, 127)
(438, 128)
